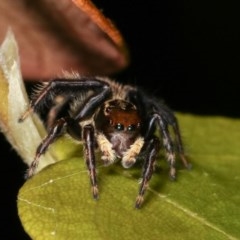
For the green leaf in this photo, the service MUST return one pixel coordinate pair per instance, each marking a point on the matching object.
(202, 204)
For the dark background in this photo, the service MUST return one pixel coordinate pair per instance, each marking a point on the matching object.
(187, 53)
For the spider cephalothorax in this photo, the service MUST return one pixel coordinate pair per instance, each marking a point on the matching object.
(120, 120)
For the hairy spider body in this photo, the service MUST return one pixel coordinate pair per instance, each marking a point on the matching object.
(118, 119)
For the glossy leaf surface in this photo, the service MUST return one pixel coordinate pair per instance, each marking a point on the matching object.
(202, 204)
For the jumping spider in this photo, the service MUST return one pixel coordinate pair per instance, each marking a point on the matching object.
(118, 119)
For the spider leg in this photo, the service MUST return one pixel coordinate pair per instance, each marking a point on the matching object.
(167, 141)
(168, 145)
(55, 132)
(88, 136)
(153, 146)
(57, 111)
(169, 119)
(180, 145)
(93, 103)
(67, 86)
(164, 117)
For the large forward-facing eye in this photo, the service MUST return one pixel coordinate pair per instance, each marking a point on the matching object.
(131, 128)
(119, 127)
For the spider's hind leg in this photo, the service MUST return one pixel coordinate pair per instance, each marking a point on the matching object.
(168, 145)
(58, 110)
(179, 144)
(56, 131)
(160, 115)
(163, 122)
(170, 120)
(166, 119)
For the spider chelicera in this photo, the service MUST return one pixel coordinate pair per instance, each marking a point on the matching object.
(120, 120)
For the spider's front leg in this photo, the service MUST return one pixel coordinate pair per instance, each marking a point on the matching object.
(89, 145)
(152, 148)
(70, 88)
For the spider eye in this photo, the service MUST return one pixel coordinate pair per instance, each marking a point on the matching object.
(119, 127)
(131, 128)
